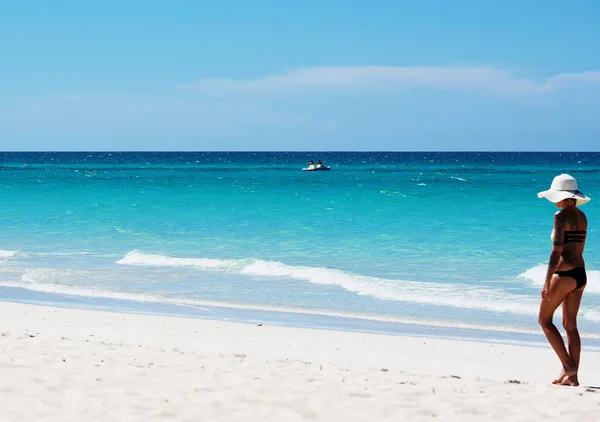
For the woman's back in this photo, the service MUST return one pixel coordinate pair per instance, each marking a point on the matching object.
(570, 232)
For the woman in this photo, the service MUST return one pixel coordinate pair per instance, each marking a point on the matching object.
(566, 277)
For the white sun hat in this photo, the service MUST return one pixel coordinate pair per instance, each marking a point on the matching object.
(563, 187)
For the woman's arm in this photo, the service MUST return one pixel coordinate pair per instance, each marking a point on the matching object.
(558, 235)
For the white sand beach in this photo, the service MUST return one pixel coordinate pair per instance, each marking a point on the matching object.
(77, 365)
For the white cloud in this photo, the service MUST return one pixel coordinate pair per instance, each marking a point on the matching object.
(549, 108)
(368, 79)
(380, 79)
(589, 78)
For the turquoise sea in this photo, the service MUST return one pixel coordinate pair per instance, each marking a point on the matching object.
(433, 243)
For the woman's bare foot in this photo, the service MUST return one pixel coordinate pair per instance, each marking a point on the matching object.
(570, 380)
(565, 373)
(561, 377)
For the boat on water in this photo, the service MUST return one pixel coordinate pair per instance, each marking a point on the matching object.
(316, 168)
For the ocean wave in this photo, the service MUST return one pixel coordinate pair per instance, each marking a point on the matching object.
(52, 276)
(462, 296)
(537, 275)
(75, 253)
(453, 295)
(592, 315)
(442, 294)
(136, 257)
(24, 254)
(41, 285)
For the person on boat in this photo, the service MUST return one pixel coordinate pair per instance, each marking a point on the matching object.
(566, 277)
(319, 164)
(311, 165)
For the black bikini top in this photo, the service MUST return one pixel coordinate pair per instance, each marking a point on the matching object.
(573, 236)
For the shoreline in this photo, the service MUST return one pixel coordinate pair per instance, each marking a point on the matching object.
(71, 364)
(280, 318)
(291, 319)
(251, 315)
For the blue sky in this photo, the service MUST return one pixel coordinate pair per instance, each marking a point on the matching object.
(310, 75)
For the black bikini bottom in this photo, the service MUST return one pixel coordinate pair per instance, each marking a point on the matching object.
(576, 273)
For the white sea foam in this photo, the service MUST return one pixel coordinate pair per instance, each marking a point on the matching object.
(537, 275)
(592, 315)
(58, 253)
(462, 296)
(43, 276)
(9, 254)
(444, 294)
(136, 257)
(42, 286)
(58, 277)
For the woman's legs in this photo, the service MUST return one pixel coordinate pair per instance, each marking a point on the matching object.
(570, 309)
(560, 287)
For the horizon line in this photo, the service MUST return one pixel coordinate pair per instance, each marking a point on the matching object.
(292, 151)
